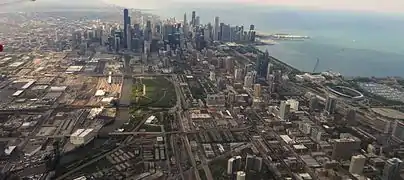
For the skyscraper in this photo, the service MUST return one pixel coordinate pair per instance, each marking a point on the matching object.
(185, 19)
(125, 25)
(398, 130)
(269, 69)
(344, 148)
(225, 32)
(185, 24)
(129, 37)
(284, 110)
(252, 27)
(193, 18)
(197, 21)
(257, 90)
(330, 104)
(216, 29)
(261, 65)
(392, 169)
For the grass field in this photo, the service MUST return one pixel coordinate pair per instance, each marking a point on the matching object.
(160, 92)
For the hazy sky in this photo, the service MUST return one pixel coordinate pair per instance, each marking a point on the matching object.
(359, 5)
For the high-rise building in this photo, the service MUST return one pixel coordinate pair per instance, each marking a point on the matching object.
(237, 162)
(248, 80)
(357, 164)
(216, 29)
(271, 82)
(343, 148)
(207, 33)
(252, 27)
(398, 130)
(253, 163)
(392, 169)
(125, 25)
(225, 32)
(193, 18)
(238, 74)
(233, 165)
(197, 21)
(278, 77)
(230, 165)
(284, 109)
(148, 31)
(351, 116)
(313, 103)
(212, 76)
(331, 104)
(257, 90)
(185, 19)
(269, 71)
(294, 104)
(261, 65)
(229, 64)
(241, 175)
(129, 37)
(117, 43)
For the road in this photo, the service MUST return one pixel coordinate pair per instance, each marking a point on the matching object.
(126, 91)
(191, 156)
(184, 137)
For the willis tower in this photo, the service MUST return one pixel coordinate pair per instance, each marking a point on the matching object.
(126, 23)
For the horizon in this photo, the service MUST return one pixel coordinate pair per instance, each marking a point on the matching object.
(262, 5)
(394, 7)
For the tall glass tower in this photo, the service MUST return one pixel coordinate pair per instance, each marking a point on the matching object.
(125, 25)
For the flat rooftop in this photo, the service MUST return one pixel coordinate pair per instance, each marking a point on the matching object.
(389, 113)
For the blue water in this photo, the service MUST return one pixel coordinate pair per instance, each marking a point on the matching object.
(354, 44)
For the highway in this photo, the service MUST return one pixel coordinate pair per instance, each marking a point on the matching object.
(184, 137)
(178, 132)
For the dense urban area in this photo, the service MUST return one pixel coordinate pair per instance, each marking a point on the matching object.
(125, 94)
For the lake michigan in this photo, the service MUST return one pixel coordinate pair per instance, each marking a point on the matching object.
(354, 44)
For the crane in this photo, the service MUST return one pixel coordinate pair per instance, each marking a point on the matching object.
(316, 65)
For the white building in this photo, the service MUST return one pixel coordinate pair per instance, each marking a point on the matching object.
(284, 110)
(357, 164)
(294, 105)
(241, 175)
(212, 76)
(230, 166)
(82, 136)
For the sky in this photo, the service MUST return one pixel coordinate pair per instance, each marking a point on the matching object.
(388, 6)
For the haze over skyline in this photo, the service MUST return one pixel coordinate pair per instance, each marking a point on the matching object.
(386, 6)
